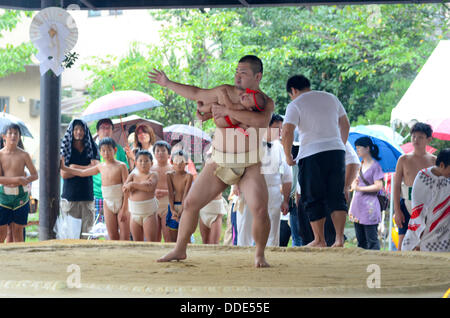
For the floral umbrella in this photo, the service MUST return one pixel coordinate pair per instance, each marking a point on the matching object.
(194, 139)
(118, 103)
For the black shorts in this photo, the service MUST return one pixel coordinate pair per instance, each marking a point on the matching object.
(322, 180)
(18, 216)
(404, 209)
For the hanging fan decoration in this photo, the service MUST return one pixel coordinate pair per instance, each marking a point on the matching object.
(54, 33)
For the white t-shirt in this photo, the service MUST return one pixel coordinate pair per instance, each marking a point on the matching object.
(350, 155)
(274, 167)
(316, 114)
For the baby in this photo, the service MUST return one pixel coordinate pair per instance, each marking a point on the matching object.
(249, 100)
(113, 174)
(140, 189)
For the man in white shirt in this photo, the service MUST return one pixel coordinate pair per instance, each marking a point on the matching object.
(278, 176)
(323, 131)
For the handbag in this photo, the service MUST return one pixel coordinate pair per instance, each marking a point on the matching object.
(381, 195)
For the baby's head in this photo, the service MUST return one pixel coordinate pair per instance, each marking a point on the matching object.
(253, 100)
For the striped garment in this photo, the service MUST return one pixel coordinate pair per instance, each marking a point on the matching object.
(429, 226)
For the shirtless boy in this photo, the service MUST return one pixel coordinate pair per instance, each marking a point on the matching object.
(139, 190)
(218, 173)
(113, 173)
(408, 165)
(161, 149)
(14, 199)
(178, 183)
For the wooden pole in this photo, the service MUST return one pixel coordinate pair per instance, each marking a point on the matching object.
(50, 123)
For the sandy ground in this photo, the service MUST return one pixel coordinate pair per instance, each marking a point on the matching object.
(129, 269)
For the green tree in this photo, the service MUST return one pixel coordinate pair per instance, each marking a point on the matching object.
(13, 58)
(366, 55)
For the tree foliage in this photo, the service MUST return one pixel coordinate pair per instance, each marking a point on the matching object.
(13, 58)
(366, 55)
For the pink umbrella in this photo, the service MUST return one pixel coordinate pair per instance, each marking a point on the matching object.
(118, 103)
(441, 128)
(408, 147)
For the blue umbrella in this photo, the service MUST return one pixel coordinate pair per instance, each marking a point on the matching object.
(386, 140)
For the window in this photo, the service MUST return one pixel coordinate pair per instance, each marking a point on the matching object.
(4, 104)
(94, 13)
(115, 12)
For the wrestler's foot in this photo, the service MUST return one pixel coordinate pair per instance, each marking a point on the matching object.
(317, 244)
(172, 256)
(260, 261)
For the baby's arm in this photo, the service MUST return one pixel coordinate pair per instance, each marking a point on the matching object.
(204, 108)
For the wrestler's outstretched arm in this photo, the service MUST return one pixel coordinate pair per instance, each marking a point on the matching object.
(207, 96)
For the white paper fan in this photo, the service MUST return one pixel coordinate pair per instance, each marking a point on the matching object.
(54, 32)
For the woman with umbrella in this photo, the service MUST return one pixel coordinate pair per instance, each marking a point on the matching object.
(144, 138)
(365, 210)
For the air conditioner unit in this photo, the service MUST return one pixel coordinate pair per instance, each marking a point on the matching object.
(34, 107)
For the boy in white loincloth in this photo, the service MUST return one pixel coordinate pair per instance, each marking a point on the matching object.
(429, 225)
(139, 190)
(178, 183)
(113, 174)
(162, 165)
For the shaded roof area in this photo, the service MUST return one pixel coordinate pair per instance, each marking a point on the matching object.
(148, 4)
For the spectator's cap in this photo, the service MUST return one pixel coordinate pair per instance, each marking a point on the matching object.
(102, 121)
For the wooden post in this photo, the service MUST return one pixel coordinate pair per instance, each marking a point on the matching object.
(50, 122)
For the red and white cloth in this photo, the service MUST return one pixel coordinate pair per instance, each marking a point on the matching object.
(429, 226)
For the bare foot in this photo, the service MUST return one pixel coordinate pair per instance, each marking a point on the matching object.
(338, 243)
(317, 244)
(172, 256)
(260, 261)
